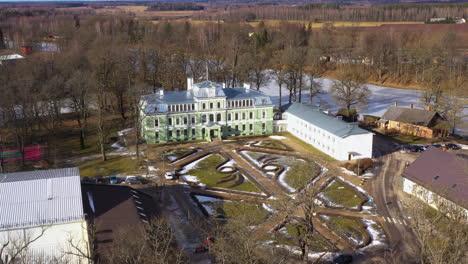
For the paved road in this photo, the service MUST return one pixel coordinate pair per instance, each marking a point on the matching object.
(381, 188)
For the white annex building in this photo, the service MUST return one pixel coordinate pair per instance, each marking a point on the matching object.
(42, 210)
(331, 135)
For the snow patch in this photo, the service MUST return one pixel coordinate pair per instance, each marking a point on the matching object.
(277, 137)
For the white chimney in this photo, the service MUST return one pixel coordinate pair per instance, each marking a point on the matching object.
(161, 92)
(49, 189)
(224, 85)
(247, 86)
(189, 83)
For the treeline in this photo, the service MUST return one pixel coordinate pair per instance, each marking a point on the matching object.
(339, 12)
(175, 6)
(106, 63)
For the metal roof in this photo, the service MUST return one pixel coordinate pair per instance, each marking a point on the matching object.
(39, 198)
(441, 172)
(409, 115)
(315, 116)
(158, 103)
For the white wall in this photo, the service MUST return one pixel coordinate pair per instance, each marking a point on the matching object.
(54, 243)
(330, 144)
(427, 196)
(361, 144)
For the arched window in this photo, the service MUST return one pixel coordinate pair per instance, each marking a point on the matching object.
(237, 116)
(219, 104)
(218, 117)
(203, 118)
(185, 120)
(229, 117)
(243, 116)
(170, 121)
(211, 118)
(204, 106)
(251, 115)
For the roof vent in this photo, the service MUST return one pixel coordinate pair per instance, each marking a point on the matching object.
(455, 185)
(49, 189)
(436, 177)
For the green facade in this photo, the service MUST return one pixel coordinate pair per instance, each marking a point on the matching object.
(181, 116)
(183, 129)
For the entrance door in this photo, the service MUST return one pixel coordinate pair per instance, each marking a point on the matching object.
(212, 133)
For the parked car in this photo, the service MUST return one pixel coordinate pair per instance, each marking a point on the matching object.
(343, 259)
(418, 148)
(133, 180)
(113, 179)
(437, 145)
(99, 179)
(453, 146)
(169, 176)
(86, 180)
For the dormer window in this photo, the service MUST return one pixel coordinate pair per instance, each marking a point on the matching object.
(155, 109)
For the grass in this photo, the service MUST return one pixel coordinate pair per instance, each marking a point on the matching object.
(334, 23)
(349, 227)
(342, 194)
(251, 214)
(207, 174)
(308, 147)
(272, 144)
(301, 173)
(317, 244)
(177, 153)
(410, 139)
(114, 165)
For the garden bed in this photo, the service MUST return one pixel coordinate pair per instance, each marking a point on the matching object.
(173, 155)
(291, 172)
(216, 170)
(350, 228)
(253, 214)
(338, 194)
(270, 144)
(287, 235)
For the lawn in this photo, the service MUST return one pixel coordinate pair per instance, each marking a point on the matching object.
(301, 173)
(317, 244)
(351, 228)
(271, 144)
(308, 147)
(206, 173)
(341, 194)
(114, 165)
(176, 154)
(252, 214)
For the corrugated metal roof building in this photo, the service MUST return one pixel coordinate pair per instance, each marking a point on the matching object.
(49, 200)
(331, 135)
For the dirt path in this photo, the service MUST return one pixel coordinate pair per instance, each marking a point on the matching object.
(274, 188)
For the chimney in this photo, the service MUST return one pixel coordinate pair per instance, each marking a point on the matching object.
(161, 92)
(396, 103)
(49, 189)
(224, 85)
(189, 83)
(247, 86)
(411, 106)
(428, 108)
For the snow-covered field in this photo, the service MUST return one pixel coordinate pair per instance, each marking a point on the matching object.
(381, 99)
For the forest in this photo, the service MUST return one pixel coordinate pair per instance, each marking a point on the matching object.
(124, 58)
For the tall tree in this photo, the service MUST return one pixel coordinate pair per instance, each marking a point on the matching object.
(349, 89)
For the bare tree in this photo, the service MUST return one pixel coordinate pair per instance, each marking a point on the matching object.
(349, 90)
(152, 244)
(16, 247)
